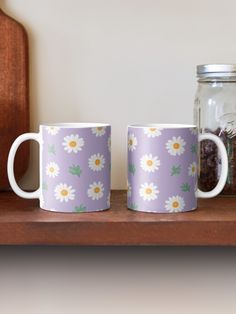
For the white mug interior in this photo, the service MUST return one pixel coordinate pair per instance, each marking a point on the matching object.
(77, 125)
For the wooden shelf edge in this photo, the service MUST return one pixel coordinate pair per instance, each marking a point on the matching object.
(97, 234)
(23, 223)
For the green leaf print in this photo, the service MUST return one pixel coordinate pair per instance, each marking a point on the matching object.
(194, 149)
(132, 169)
(75, 170)
(185, 187)
(175, 170)
(133, 206)
(51, 149)
(81, 208)
(44, 186)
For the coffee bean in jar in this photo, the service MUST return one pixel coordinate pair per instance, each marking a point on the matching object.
(215, 112)
(210, 164)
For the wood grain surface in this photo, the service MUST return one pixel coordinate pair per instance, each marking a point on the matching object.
(23, 222)
(14, 94)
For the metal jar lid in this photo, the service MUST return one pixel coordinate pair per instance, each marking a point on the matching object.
(216, 70)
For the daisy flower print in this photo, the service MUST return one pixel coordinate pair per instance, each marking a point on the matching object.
(132, 142)
(52, 130)
(174, 204)
(96, 162)
(148, 191)
(175, 146)
(192, 169)
(150, 163)
(152, 132)
(129, 189)
(99, 131)
(95, 191)
(194, 131)
(52, 170)
(109, 143)
(64, 192)
(73, 143)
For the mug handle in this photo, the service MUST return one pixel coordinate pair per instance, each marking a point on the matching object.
(10, 165)
(224, 162)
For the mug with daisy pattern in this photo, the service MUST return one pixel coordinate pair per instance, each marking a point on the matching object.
(75, 165)
(163, 167)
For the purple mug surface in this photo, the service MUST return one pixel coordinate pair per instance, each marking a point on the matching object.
(75, 165)
(162, 168)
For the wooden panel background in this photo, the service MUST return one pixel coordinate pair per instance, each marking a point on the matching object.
(14, 94)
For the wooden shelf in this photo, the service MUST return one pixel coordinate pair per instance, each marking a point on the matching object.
(23, 222)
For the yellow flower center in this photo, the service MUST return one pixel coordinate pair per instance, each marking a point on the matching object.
(97, 190)
(51, 169)
(152, 129)
(149, 163)
(175, 204)
(148, 191)
(130, 142)
(99, 128)
(72, 143)
(64, 192)
(97, 162)
(193, 169)
(176, 145)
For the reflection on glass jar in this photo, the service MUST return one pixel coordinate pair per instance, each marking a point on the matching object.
(215, 112)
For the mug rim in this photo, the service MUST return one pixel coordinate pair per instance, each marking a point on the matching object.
(162, 125)
(75, 125)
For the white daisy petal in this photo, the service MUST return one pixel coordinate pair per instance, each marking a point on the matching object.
(73, 143)
(152, 131)
(99, 131)
(150, 163)
(52, 170)
(129, 189)
(192, 169)
(109, 143)
(175, 204)
(132, 142)
(64, 192)
(95, 191)
(148, 191)
(52, 130)
(175, 146)
(194, 131)
(96, 162)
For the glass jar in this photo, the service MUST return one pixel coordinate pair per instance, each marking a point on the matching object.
(215, 112)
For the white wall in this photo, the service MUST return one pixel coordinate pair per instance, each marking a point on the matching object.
(120, 61)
